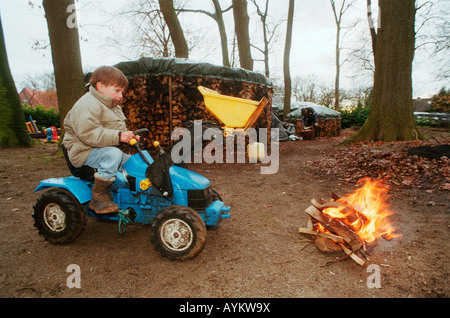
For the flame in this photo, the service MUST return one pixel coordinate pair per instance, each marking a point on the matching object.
(369, 218)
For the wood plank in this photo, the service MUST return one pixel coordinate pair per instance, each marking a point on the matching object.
(333, 237)
(352, 255)
(336, 226)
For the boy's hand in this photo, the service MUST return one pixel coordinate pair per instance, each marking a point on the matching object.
(126, 136)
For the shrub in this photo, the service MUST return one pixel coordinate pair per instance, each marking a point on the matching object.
(426, 122)
(44, 117)
(354, 117)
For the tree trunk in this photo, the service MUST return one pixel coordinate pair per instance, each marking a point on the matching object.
(176, 32)
(265, 51)
(222, 32)
(391, 117)
(286, 63)
(241, 21)
(12, 121)
(338, 69)
(66, 54)
(373, 32)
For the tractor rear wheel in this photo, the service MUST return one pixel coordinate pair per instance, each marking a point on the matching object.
(59, 216)
(178, 233)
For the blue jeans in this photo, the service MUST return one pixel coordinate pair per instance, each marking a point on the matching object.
(107, 161)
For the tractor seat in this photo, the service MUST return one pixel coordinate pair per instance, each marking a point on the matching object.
(84, 172)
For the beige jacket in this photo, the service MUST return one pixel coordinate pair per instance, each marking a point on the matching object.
(93, 122)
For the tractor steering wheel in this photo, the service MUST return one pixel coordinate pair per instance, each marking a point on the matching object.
(143, 132)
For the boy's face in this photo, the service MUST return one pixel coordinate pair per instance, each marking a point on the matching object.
(111, 91)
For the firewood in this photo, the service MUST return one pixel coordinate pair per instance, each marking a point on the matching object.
(164, 103)
(327, 245)
(337, 227)
(352, 255)
(335, 238)
(346, 209)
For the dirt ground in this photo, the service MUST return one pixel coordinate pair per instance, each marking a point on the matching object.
(257, 253)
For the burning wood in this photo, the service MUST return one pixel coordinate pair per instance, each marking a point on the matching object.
(351, 223)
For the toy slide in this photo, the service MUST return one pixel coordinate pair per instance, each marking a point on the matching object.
(232, 112)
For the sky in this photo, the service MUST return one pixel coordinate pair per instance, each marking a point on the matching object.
(312, 49)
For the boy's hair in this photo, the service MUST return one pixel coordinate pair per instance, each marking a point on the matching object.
(108, 75)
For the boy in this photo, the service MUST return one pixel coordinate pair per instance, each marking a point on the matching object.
(94, 127)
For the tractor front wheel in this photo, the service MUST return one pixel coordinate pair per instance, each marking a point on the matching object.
(178, 233)
(59, 217)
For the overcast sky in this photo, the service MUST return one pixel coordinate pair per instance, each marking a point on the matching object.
(312, 51)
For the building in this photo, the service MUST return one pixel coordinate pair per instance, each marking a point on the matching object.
(422, 104)
(33, 97)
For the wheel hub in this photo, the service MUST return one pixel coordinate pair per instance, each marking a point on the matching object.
(176, 235)
(54, 217)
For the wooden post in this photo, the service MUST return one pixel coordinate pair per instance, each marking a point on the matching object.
(170, 111)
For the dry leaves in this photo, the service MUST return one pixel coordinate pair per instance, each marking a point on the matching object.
(389, 161)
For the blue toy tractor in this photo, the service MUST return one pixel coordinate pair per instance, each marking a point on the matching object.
(179, 204)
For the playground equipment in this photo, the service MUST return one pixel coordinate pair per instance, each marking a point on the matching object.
(52, 135)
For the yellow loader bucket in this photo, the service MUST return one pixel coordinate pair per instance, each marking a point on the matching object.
(233, 112)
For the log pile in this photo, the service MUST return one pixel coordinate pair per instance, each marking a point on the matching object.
(164, 103)
(327, 127)
(331, 234)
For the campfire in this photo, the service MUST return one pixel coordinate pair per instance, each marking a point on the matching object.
(352, 223)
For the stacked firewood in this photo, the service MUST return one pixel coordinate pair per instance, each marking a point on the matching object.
(327, 127)
(164, 103)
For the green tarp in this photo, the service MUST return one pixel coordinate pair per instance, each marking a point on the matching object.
(147, 66)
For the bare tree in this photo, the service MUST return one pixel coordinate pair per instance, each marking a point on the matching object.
(434, 33)
(217, 16)
(338, 13)
(150, 35)
(43, 82)
(305, 88)
(370, 20)
(269, 32)
(391, 117)
(65, 45)
(286, 60)
(241, 22)
(176, 31)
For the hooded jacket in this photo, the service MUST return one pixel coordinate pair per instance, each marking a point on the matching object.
(93, 122)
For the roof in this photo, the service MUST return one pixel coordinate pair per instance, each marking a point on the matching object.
(34, 97)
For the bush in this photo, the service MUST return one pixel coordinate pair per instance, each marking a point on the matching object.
(426, 122)
(355, 117)
(44, 118)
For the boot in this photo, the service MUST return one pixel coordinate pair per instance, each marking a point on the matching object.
(101, 201)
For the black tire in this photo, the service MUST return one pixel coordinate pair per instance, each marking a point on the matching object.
(178, 233)
(59, 216)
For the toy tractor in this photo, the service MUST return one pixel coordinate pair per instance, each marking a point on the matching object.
(179, 204)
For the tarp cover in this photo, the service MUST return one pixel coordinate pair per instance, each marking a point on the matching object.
(148, 66)
(322, 111)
